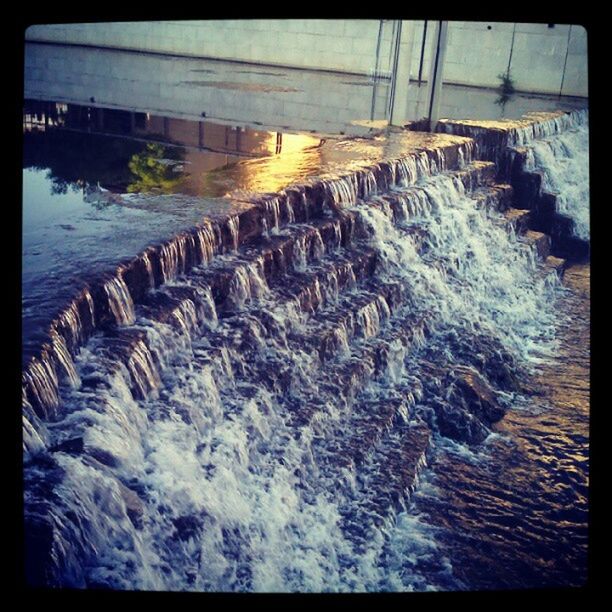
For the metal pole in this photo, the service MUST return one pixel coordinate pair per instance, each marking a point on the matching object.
(394, 69)
(422, 51)
(376, 69)
(569, 33)
(436, 74)
(380, 29)
(511, 50)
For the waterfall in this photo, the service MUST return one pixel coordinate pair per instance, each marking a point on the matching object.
(564, 163)
(558, 123)
(493, 139)
(120, 301)
(259, 420)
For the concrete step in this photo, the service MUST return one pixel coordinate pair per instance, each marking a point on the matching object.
(556, 264)
(496, 196)
(385, 482)
(539, 241)
(518, 219)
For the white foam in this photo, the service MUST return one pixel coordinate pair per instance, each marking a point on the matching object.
(563, 161)
(227, 462)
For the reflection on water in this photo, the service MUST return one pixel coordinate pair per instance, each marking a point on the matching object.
(191, 88)
(112, 151)
(157, 168)
(124, 151)
(155, 86)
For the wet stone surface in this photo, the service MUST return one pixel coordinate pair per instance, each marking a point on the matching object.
(524, 498)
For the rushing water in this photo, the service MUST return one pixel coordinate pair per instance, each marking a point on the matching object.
(255, 423)
(514, 513)
(564, 163)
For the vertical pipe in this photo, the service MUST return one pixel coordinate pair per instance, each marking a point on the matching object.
(436, 69)
(400, 102)
(422, 51)
(391, 47)
(373, 100)
(374, 86)
(569, 33)
(380, 29)
(511, 50)
(394, 71)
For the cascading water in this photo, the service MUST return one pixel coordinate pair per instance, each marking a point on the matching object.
(120, 301)
(258, 421)
(564, 163)
(472, 276)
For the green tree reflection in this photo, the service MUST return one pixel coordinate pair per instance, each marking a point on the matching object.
(157, 168)
(85, 148)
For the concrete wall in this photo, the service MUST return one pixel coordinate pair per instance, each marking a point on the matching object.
(478, 52)
(544, 60)
(344, 45)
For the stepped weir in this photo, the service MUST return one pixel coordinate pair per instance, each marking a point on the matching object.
(249, 404)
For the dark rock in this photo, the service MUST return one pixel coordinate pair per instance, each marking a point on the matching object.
(41, 567)
(187, 526)
(486, 355)
(73, 445)
(103, 456)
(458, 424)
(250, 225)
(420, 125)
(42, 469)
(475, 395)
(133, 505)
(527, 188)
(94, 381)
(49, 559)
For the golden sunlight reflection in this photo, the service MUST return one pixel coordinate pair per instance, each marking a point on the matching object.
(292, 158)
(279, 143)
